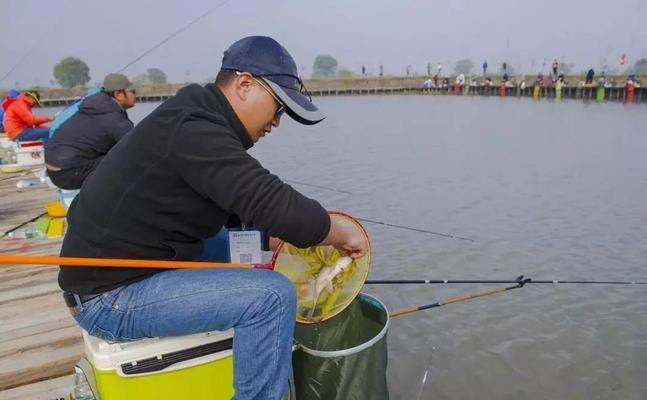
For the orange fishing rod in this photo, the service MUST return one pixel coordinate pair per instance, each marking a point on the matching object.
(118, 262)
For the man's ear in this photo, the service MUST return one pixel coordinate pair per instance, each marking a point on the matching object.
(242, 85)
(119, 95)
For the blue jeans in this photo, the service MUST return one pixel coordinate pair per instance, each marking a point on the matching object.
(34, 134)
(260, 305)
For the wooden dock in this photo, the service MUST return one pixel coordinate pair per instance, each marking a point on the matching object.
(39, 340)
(545, 92)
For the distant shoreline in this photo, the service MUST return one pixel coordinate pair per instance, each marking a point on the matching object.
(318, 85)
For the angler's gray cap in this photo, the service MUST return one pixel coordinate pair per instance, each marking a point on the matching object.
(114, 82)
(264, 57)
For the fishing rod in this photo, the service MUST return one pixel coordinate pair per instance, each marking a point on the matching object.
(174, 34)
(409, 310)
(23, 224)
(520, 282)
(119, 262)
(487, 281)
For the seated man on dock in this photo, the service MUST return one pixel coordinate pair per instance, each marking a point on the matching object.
(81, 142)
(20, 123)
(12, 94)
(171, 184)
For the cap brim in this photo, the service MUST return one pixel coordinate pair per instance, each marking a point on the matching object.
(299, 107)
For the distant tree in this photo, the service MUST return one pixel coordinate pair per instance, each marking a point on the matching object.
(463, 66)
(156, 76)
(345, 73)
(70, 72)
(640, 67)
(325, 66)
(140, 79)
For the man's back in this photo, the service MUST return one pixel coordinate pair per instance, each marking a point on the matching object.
(89, 134)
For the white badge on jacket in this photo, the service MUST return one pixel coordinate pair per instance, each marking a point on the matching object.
(245, 246)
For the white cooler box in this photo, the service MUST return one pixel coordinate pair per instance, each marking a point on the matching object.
(29, 153)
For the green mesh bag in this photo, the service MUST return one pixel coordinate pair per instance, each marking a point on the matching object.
(345, 357)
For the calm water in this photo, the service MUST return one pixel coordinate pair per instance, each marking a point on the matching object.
(549, 190)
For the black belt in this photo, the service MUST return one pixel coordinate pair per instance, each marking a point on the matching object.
(75, 300)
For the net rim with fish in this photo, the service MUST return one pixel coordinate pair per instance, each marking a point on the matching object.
(359, 280)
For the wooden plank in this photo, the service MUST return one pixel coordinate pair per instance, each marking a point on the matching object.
(26, 282)
(31, 305)
(51, 308)
(16, 272)
(52, 354)
(51, 389)
(66, 335)
(32, 369)
(37, 328)
(39, 340)
(38, 289)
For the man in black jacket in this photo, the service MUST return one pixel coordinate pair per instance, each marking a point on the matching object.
(82, 141)
(171, 184)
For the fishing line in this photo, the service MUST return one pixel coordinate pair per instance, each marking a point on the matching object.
(446, 235)
(52, 28)
(23, 58)
(317, 186)
(372, 221)
(174, 34)
(426, 374)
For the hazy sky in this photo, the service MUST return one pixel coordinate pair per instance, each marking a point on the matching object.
(109, 34)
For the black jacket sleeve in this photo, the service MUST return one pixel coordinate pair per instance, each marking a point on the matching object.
(213, 161)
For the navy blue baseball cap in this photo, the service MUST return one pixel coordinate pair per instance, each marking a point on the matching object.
(264, 57)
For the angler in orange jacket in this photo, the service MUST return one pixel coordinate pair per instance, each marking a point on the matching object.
(19, 122)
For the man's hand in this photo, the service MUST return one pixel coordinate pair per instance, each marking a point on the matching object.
(274, 243)
(348, 241)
